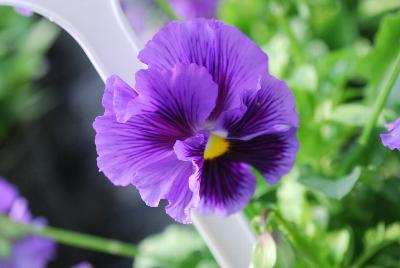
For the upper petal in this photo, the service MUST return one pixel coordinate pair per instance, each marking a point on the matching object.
(184, 95)
(233, 60)
(270, 109)
(171, 105)
(119, 99)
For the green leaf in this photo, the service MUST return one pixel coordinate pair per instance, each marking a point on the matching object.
(291, 198)
(338, 243)
(355, 115)
(371, 8)
(304, 77)
(40, 38)
(285, 255)
(382, 233)
(332, 188)
(177, 246)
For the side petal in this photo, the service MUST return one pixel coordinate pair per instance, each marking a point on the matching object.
(184, 95)
(173, 180)
(125, 148)
(235, 62)
(272, 154)
(270, 109)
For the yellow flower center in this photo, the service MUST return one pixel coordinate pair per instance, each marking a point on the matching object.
(215, 147)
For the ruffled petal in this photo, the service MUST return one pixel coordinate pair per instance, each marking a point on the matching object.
(392, 138)
(119, 99)
(234, 61)
(184, 95)
(270, 109)
(272, 154)
(173, 180)
(8, 194)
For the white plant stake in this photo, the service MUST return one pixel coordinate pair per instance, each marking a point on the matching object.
(100, 28)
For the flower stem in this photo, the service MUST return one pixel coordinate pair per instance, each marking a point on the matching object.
(301, 244)
(74, 239)
(363, 140)
(380, 103)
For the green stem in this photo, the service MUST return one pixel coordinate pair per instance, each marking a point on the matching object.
(380, 103)
(301, 243)
(164, 6)
(363, 140)
(75, 239)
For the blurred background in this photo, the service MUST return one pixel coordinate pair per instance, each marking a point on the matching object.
(49, 97)
(334, 54)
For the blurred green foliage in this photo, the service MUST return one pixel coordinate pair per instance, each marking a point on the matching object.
(24, 42)
(335, 55)
(176, 247)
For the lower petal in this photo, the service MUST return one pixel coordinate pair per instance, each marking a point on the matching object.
(226, 186)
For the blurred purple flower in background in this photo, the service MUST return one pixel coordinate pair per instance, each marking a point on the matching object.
(23, 11)
(144, 17)
(25, 251)
(83, 265)
(189, 9)
(204, 112)
(392, 138)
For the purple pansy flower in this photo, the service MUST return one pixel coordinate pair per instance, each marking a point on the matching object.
(201, 116)
(190, 9)
(392, 138)
(28, 251)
